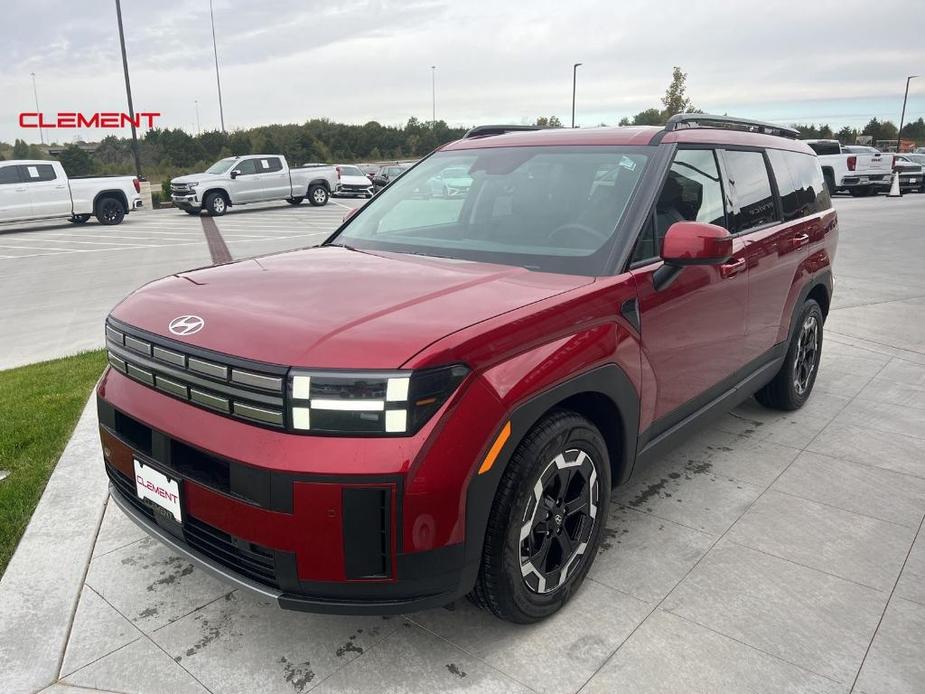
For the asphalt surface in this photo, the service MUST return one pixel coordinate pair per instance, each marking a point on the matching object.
(773, 552)
(58, 281)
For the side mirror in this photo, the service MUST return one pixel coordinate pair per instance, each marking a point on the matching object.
(691, 243)
(235, 174)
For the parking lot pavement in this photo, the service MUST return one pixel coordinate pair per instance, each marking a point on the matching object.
(773, 552)
(59, 281)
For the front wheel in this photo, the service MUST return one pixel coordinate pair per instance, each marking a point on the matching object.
(79, 219)
(215, 204)
(545, 524)
(318, 195)
(109, 211)
(791, 386)
(194, 212)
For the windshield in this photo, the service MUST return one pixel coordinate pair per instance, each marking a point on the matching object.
(221, 166)
(917, 158)
(554, 209)
(351, 171)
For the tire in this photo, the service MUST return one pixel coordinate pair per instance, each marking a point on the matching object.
(109, 211)
(215, 204)
(859, 191)
(318, 195)
(792, 385)
(562, 446)
(829, 182)
(79, 218)
(295, 201)
(194, 213)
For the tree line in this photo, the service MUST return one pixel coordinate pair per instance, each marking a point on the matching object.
(165, 153)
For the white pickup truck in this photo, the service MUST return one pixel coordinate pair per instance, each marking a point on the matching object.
(252, 178)
(41, 190)
(857, 170)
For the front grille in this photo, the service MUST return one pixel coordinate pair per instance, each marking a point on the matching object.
(253, 561)
(242, 390)
(180, 189)
(246, 558)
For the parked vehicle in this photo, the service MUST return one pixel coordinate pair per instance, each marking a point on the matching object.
(438, 400)
(252, 178)
(451, 182)
(41, 189)
(387, 174)
(857, 169)
(911, 176)
(352, 181)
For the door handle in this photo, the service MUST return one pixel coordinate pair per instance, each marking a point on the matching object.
(727, 270)
(60, 187)
(800, 240)
(20, 190)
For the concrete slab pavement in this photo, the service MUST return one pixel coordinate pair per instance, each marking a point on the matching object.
(773, 552)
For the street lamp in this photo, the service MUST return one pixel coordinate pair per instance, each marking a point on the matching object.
(128, 92)
(35, 93)
(218, 82)
(899, 134)
(433, 95)
(574, 81)
(198, 127)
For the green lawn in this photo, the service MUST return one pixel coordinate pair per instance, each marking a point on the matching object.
(39, 406)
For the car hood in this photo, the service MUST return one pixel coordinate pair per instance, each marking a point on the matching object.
(193, 178)
(332, 307)
(354, 180)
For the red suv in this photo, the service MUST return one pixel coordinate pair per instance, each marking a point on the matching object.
(438, 400)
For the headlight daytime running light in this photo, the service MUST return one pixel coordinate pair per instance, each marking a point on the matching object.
(369, 403)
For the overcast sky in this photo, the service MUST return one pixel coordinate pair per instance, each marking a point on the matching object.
(837, 61)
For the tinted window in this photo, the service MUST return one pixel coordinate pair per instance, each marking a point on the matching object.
(34, 173)
(554, 209)
(269, 165)
(351, 171)
(9, 174)
(800, 182)
(825, 147)
(248, 166)
(754, 202)
(692, 192)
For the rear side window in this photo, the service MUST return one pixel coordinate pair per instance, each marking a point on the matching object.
(9, 174)
(751, 187)
(800, 182)
(34, 173)
(269, 165)
(692, 192)
(825, 147)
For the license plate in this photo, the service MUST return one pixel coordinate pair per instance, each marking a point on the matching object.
(913, 180)
(159, 489)
(863, 179)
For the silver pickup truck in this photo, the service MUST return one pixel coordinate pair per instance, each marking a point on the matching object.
(252, 178)
(40, 189)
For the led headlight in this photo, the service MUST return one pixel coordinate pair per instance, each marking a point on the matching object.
(369, 403)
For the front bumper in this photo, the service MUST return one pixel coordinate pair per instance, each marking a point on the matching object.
(189, 201)
(353, 190)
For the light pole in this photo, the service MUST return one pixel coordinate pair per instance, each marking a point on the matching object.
(35, 93)
(198, 127)
(574, 83)
(128, 92)
(899, 134)
(218, 81)
(433, 95)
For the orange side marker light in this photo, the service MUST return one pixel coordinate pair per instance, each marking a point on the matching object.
(496, 448)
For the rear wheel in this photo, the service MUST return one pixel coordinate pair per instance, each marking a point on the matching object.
(318, 195)
(295, 201)
(791, 387)
(215, 204)
(79, 218)
(545, 525)
(829, 182)
(109, 211)
(860, 191)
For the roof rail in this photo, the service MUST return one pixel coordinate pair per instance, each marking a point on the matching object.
(680, 121)
(488, 130)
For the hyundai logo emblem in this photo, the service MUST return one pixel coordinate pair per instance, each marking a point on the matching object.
(186, 325)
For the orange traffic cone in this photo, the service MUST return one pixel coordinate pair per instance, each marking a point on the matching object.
(895, 192)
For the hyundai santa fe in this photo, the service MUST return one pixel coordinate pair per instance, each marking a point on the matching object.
(438, 400)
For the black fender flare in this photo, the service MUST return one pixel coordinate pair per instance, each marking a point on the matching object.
(822, 279)
(112, 193)
(608, 380)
